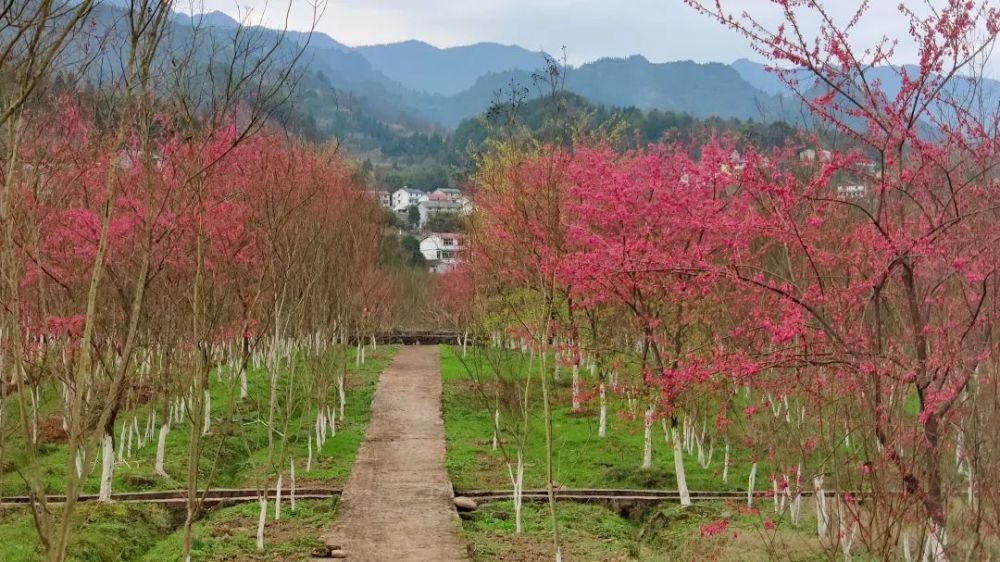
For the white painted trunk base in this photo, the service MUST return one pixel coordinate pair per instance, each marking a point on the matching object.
(682, 487)
(161, 450)
(107, 468)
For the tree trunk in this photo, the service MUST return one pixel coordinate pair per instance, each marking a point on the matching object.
(682, 488)
(576, 387)
(341, 394)
(261, 519)
(602, 423)
(517, 479)
(207, 423)
(496, 428)
(291, 484)
(161, 449)
(277, 499)
(107, 467)
(647, 439)
(820, 499)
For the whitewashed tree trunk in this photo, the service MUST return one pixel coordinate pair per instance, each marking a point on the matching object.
(331, 419)
(309, 459)
(846, 538)
(496, 428)
(341, 394)
(707, 460)
(161, 449)
(725, 464)
(821, 512)
(934, 548)
(107, 467)
(291, 483)
(34, 413)
(682, 487)
(647, 439)
(150, 426)
(774, 485)
(750, 484)
(244, 383)
(602, 423)
(907, 553)
(261, 519)
(66, 405)
(517, 480)
(207, 424)
(79, 462)
(576, 387)
(138, 434)
(277, 499)
(121, 441)
(701, 451)
(320, 429)
(796, 502)
(128, 441)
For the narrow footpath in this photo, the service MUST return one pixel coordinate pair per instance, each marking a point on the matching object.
(397, 504)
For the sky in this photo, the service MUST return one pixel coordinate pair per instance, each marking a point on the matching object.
(660, 30)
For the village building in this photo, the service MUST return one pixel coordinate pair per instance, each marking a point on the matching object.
(436, 204)
(404, 198)
(442, 250)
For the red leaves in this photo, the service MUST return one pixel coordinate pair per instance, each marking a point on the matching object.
(233, 201)
(714, 528)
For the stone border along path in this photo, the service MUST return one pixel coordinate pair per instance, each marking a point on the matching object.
(397, 504)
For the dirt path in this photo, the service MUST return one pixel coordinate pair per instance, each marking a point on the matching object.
(397, 504)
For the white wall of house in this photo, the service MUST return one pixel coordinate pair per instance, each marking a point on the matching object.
(441, 247)
(405, 197)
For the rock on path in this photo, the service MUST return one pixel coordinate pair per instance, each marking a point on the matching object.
(397, 504)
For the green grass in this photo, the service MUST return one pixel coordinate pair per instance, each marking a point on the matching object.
(238, 440)
(231, 534)
(151, 533)
(237, 445)
(581, 458)
(103, 532)
(666, 533)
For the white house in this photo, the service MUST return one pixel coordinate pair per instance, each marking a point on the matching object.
(442, 250)
(436, 204)
(404, 198)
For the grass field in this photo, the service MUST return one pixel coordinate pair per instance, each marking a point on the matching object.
(667, 533)
(150, 533)
(581, 459)
(141, 532)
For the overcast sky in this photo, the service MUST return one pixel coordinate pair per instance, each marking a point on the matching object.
(661, 30)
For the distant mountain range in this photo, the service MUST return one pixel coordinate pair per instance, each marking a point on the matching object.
(414, 86)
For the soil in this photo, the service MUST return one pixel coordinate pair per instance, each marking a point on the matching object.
(397, 504)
